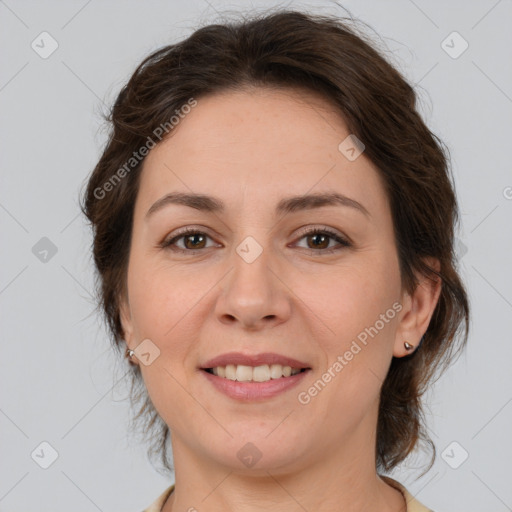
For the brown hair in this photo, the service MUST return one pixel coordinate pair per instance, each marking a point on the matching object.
(323, 54)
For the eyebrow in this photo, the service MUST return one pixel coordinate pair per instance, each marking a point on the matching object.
(287, 205)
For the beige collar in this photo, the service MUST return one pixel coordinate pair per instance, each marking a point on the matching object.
(413, 505)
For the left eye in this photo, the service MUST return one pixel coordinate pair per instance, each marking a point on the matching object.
(321, 239)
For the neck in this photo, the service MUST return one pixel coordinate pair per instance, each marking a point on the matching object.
(329, 480)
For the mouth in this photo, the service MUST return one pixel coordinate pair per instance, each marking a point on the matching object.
(254, 377)
(261, 373)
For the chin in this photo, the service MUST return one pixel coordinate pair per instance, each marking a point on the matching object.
(256, 454)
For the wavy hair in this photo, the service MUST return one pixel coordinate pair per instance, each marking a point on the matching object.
(325, 55)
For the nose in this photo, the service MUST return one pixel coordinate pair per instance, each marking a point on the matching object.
(254, 294)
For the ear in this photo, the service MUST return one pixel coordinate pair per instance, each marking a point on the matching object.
(417, 311)
(125, 316)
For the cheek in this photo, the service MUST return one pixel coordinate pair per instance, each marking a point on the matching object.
(356, 303)
(349, 299)
(160, 298)
(162, 303)
(358, 344)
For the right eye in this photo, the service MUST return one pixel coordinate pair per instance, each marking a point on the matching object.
(193, 240)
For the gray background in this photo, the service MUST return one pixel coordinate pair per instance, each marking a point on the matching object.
(60, 382)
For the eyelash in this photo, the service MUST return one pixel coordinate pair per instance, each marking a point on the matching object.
(344, 243)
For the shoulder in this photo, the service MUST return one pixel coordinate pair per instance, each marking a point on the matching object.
(413, 505)
(157, 505)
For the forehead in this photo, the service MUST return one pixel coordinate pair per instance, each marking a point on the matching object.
(259, 144)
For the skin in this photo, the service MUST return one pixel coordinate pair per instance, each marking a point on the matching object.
(250, 149)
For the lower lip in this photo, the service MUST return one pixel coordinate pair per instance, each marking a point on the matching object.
(254, 390)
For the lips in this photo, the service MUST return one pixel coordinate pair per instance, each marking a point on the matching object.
(246, 377)
(237, 358)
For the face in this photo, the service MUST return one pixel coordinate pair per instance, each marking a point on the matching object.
(316, 282)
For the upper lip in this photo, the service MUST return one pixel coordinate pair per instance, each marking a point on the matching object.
(237, 358)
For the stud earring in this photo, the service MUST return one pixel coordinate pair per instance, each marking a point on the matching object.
(129, 354)
(408, 346)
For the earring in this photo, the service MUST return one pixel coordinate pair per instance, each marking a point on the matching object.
(408, 346)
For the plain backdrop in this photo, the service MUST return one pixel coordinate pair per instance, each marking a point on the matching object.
(60, 383)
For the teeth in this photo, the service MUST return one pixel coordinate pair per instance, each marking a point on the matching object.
(261, 373)
(276, 371)
(231, 372)
(243, 373)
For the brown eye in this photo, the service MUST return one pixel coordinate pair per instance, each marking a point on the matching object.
(318, 241)
(195, 241)
(192, 240)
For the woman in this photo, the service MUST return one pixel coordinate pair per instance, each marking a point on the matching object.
(273, 233)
